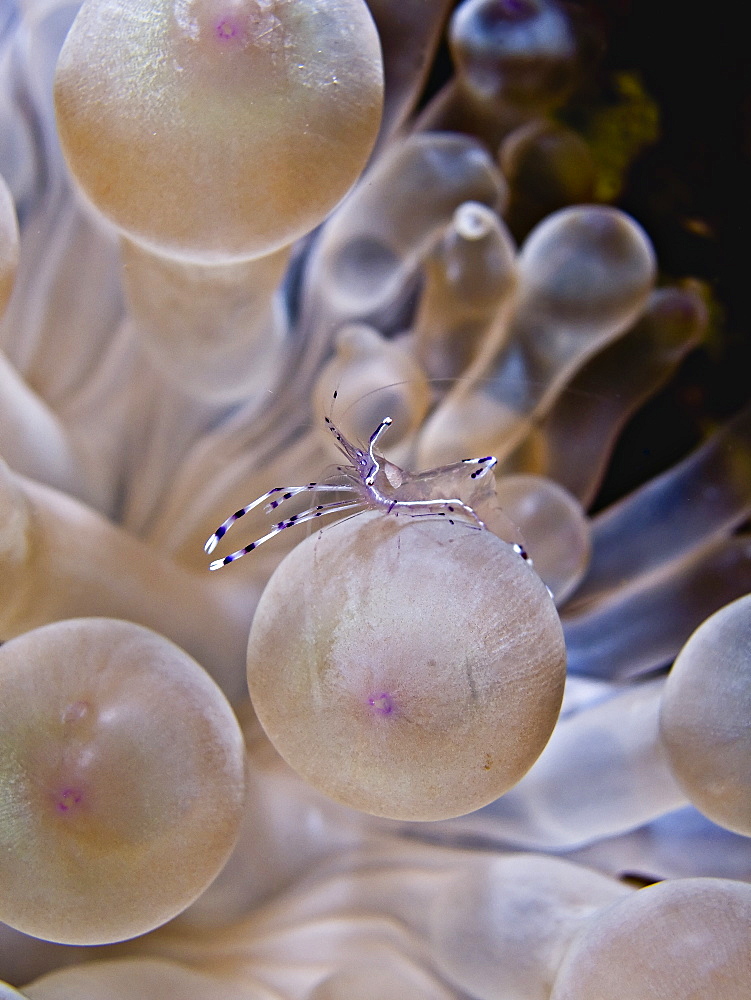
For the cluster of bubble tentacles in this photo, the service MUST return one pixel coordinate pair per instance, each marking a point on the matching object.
(172, 341)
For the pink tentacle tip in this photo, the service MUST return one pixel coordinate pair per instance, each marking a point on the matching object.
(68, 799)
(382, 704)
(228, 29)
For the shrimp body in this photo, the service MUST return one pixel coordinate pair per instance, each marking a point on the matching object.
(373, 483)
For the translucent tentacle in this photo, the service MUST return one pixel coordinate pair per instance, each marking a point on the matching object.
(640, 627)
(702, 498)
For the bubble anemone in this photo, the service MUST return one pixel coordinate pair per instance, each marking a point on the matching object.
(129, 979)
(500, 927)
(121, 781)
(218, 129)
(684, 939)
(705, 713)
(413, 670)
(155, 378)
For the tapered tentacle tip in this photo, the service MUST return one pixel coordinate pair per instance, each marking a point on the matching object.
(211, 544)
(216, 564)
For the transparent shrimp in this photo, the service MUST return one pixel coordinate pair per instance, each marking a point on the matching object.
(372, 484)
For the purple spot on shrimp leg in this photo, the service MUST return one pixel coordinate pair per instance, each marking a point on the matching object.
(382, 704)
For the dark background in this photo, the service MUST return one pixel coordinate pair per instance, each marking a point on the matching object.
(694, 61)
(690, 191)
